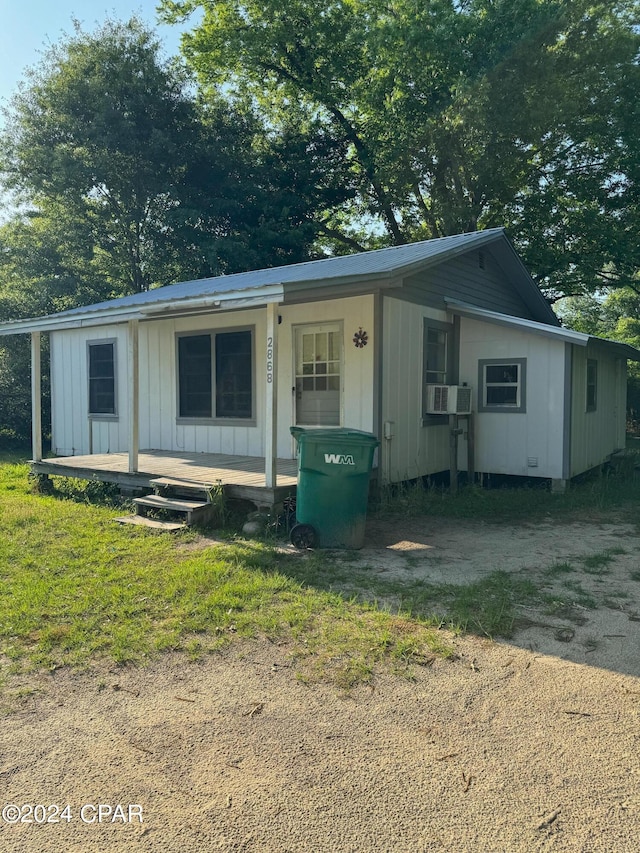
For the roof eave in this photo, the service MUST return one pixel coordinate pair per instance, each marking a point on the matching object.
(162, 309)
(534, 327)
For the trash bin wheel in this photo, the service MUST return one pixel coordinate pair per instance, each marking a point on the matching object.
(303, 536)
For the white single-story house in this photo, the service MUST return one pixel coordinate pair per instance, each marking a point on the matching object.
(398, 342)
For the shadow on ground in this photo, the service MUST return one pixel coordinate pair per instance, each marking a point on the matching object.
(572, 588)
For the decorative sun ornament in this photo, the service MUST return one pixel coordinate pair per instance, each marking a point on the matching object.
(360, 338)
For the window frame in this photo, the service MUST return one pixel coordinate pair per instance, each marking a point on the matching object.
(214, 419)
(451, 366)
(103, 416)
(591, 406)
(521, 406)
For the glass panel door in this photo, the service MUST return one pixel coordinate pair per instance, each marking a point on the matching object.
(318, 375)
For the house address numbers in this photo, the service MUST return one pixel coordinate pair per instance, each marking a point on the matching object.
(269, 359)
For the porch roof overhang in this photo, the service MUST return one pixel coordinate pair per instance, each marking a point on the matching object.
(557, 333)
(163, 306)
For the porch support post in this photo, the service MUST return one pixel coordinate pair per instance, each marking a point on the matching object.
(36, 397)
(134, 389)
(271, 398)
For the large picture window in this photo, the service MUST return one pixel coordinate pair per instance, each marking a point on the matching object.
(102, 378)
(215, 375)
(502, 385)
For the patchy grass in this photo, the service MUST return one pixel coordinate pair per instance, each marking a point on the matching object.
(485, 607)
(598, 564)
(617, 487)
(558, 569)
(78, 587)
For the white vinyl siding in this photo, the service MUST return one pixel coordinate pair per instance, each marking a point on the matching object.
(597, 432)
(74, 429)
(415, 449)
(592, 385)
(159, 425)
(509, 441)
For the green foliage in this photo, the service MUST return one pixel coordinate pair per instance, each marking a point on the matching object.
(454, 115)
(132, 181)
(97, 132)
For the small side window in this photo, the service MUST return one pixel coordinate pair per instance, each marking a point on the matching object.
(592, 384)
(437, 362)
(102, 378)
(502, 385)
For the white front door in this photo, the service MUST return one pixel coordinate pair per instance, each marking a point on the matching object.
(318, 375)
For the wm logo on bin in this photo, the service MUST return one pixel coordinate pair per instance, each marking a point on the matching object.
(338, 459)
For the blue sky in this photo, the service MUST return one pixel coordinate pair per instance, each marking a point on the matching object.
(29, 26)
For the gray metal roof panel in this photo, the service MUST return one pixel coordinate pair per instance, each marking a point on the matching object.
(377, 262)
(259, 287)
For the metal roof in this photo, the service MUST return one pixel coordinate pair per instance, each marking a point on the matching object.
(558, 333)
(259, 287)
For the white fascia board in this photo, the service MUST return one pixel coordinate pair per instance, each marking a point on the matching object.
(533, 326)
(216, 301)
(53, 322)
(157, 310)
(558, 333)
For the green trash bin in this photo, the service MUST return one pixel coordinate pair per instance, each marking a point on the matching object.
(334, 469)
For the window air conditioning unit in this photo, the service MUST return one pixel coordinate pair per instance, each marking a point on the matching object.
(448, 400)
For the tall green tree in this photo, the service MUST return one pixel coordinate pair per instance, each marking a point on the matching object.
(456, 114)
(98, 129)
(156, 183)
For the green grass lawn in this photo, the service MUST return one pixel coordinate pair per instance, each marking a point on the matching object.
(77, 587)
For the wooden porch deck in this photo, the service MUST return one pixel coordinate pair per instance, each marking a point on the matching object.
(241, 476)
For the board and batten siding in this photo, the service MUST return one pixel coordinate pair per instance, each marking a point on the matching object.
(595, 435)
(73, 432)
(527, 443)
(414, 450)
(356, 406)
(159, 427)
(463, 278)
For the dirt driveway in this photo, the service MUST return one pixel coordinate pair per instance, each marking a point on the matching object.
(526, 745)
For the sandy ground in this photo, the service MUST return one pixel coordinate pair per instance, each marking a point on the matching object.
(525, 745)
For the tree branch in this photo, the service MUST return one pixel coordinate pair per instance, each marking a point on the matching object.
(351, 134)
(343, 238)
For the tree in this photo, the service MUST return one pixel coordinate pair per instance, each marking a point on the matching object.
(456, 114)
(98, 131)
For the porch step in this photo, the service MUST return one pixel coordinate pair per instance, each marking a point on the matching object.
(156, 524)
(193, 510)
(176, 486)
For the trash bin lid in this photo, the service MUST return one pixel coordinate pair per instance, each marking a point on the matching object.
(340, 434)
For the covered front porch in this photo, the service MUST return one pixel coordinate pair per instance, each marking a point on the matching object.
(242, 477)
